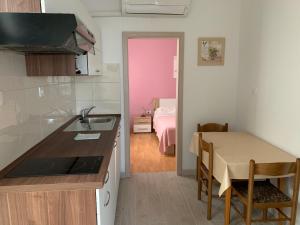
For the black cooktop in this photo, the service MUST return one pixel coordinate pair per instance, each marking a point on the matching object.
(56, 166)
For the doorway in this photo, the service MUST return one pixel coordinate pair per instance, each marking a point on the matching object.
(134, 135)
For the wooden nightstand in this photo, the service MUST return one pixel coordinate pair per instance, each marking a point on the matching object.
(142, 124)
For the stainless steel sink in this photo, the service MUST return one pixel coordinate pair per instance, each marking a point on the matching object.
(92, 124)
(97, 120)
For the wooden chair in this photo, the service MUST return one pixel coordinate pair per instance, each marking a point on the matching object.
(206, 174)
(212, 127)
(264, 195)
(209, 127)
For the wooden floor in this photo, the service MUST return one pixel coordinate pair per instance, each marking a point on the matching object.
(165, 199)
(145, 156)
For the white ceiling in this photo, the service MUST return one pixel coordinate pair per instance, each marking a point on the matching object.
(103, 5)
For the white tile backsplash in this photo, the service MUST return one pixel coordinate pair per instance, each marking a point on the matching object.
(33, 107)
(110, 107)
(102, 107)
(104, 91)
(83, 104)
(84, 91)
(30, 107)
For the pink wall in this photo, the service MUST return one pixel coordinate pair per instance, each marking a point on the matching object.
(150, 72)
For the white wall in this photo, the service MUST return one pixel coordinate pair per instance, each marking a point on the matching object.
(268, 102)
(30, 107)
(209, 92)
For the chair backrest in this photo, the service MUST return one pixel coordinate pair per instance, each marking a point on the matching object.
(212, 127)
(206, 147)
(275, 169)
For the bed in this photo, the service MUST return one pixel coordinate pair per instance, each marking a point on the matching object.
(164, 124)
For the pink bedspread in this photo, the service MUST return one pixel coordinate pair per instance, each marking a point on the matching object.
(165, 127)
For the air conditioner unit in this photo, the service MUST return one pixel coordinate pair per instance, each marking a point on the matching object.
(156, 7)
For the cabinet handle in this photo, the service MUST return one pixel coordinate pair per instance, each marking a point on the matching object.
(106, 177)
(106, 204)
(97, 71)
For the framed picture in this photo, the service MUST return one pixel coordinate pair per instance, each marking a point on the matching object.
(211, 51)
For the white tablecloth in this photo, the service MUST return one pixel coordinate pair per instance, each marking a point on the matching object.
(233, 151)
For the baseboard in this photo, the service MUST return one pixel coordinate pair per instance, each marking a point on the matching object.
(185, 173)
(188, 173)
(124, 175)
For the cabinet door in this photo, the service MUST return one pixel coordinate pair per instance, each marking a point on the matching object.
(113, 186)
(112, 169)
(103, 206)
(50, 65)
(95, 63)
(106, 198)
(118, 162)
(21, 6)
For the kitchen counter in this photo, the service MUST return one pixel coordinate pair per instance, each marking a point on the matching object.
(62, 144)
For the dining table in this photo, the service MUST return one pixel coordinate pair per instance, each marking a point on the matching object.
(232, 152)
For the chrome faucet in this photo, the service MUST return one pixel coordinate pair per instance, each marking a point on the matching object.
(84, 112)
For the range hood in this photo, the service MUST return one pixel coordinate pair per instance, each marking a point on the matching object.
(44, 33)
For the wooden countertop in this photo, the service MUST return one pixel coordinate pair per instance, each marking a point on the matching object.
(62, 144)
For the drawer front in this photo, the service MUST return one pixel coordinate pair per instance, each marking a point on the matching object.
(141, 128)
(142, 120)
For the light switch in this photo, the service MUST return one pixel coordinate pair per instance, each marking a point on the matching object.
(41, 92)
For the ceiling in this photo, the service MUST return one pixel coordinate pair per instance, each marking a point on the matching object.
(104, 7)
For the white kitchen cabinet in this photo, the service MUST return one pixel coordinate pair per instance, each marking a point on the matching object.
(118, 158)
(89, 64)
(107, 196)
(95, 63)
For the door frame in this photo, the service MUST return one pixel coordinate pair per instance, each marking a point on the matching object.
(179, 93)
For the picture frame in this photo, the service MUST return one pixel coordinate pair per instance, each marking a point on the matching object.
(211, 51)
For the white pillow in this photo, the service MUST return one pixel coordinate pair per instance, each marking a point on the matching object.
(166, 110)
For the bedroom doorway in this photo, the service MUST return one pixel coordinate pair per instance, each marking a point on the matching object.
(153, 67)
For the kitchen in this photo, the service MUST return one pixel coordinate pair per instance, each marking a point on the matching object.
(63, 127)
(46, 79)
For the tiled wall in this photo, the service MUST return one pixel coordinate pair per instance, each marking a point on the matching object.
(33, 107)
(100, 91)
(30, 107)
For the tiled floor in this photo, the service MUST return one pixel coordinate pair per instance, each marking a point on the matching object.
(165, 199)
